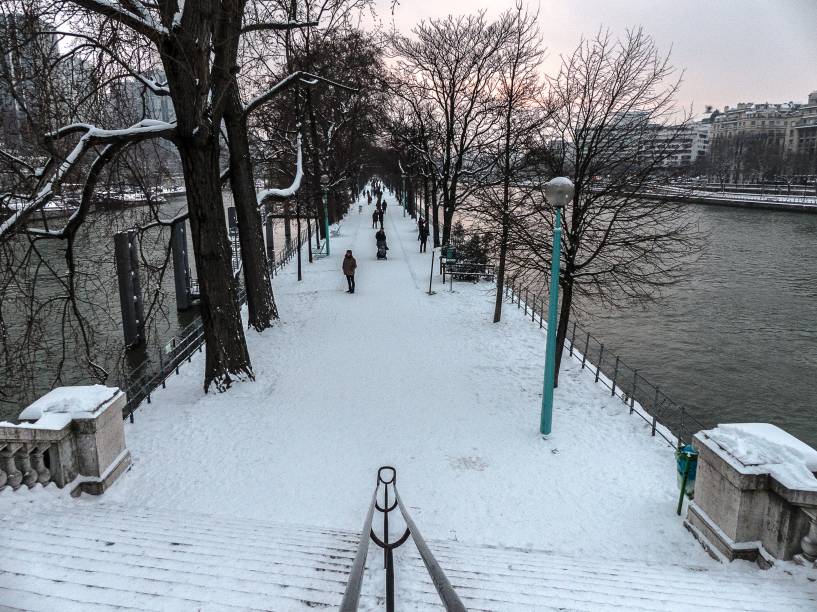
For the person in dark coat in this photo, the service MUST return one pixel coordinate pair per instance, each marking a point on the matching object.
(380, 215)
(384, 207)
(375, 217)
(423, 236)
(349, 267)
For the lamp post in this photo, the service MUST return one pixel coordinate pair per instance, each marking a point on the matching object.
(558, 192)
(325, 191)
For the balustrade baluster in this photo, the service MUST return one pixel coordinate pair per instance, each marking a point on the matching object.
(13, 475)
(38, 463)
(3, 477)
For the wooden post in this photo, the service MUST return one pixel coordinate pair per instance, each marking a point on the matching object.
(130, 291)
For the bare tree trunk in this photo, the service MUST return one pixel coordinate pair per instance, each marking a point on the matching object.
(436, 211)
(500, 272)
(227, 358)
(316, 165)
(425, 198)
(561, 328)
(260, 299)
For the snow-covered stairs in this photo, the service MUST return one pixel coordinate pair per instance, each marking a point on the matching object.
(108, 557)
(502, 579)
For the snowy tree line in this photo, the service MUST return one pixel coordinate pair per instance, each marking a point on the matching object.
(482, 128)
(284, 92)
(262, 91)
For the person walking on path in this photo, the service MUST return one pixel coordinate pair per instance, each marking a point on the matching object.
(380, 216)
(423, 236)
(349, 267)
(384, 207)
(375, 217)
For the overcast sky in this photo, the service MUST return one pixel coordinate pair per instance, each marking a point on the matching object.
(731, 50)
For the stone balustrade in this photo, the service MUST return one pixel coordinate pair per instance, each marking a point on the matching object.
(72, 436)
(755, 495)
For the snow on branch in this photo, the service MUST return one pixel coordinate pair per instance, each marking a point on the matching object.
(281, 25)
(283, 194)
(141, 22)
(299, 76)
(57, 169)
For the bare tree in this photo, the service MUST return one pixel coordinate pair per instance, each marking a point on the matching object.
(505, 190)
(612, 100)
(452, 62)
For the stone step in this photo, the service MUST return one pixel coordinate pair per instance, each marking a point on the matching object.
(103, 556)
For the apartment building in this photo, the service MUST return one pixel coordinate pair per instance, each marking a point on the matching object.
(792, 124)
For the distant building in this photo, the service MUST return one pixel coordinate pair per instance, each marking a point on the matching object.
(792, 125)
(142, 101)
(24, 55)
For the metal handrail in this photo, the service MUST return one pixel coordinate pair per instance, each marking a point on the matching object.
(351, 597)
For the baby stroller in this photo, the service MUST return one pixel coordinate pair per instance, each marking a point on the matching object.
(381, 249)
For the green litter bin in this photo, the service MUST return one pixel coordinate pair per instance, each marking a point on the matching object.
(686, 461)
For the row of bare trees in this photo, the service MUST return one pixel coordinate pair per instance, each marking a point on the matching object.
(260, 91)
(481, 128)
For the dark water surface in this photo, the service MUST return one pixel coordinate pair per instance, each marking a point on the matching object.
(737, 341)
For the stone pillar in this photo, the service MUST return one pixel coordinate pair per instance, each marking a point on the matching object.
(747, 509)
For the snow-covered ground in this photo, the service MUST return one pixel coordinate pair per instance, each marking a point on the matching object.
(428, 384)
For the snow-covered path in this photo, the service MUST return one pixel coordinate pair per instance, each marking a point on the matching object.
(427, 384)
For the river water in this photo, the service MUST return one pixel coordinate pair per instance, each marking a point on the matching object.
(737, 341)
(100, 304)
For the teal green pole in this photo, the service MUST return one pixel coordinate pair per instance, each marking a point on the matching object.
(326, 220)
(546, 420)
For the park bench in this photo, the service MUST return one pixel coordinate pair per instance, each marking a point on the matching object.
(463, 270)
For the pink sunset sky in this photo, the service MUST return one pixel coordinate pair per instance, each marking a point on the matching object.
(730, 50)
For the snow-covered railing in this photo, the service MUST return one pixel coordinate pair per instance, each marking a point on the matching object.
(665, 417)
(70, 436)
(143, 379)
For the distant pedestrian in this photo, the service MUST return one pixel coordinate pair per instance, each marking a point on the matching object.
(349, 267)
(375, 217)
(423, 236)
(384, 207)
(380, 217)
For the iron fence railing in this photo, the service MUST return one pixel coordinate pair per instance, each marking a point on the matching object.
(665, 417)
(140, 381)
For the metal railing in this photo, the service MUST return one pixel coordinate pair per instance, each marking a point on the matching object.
(666, 418)
(140, 381)
(351, 597)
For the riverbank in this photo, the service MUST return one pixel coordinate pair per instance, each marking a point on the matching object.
(789, 203)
